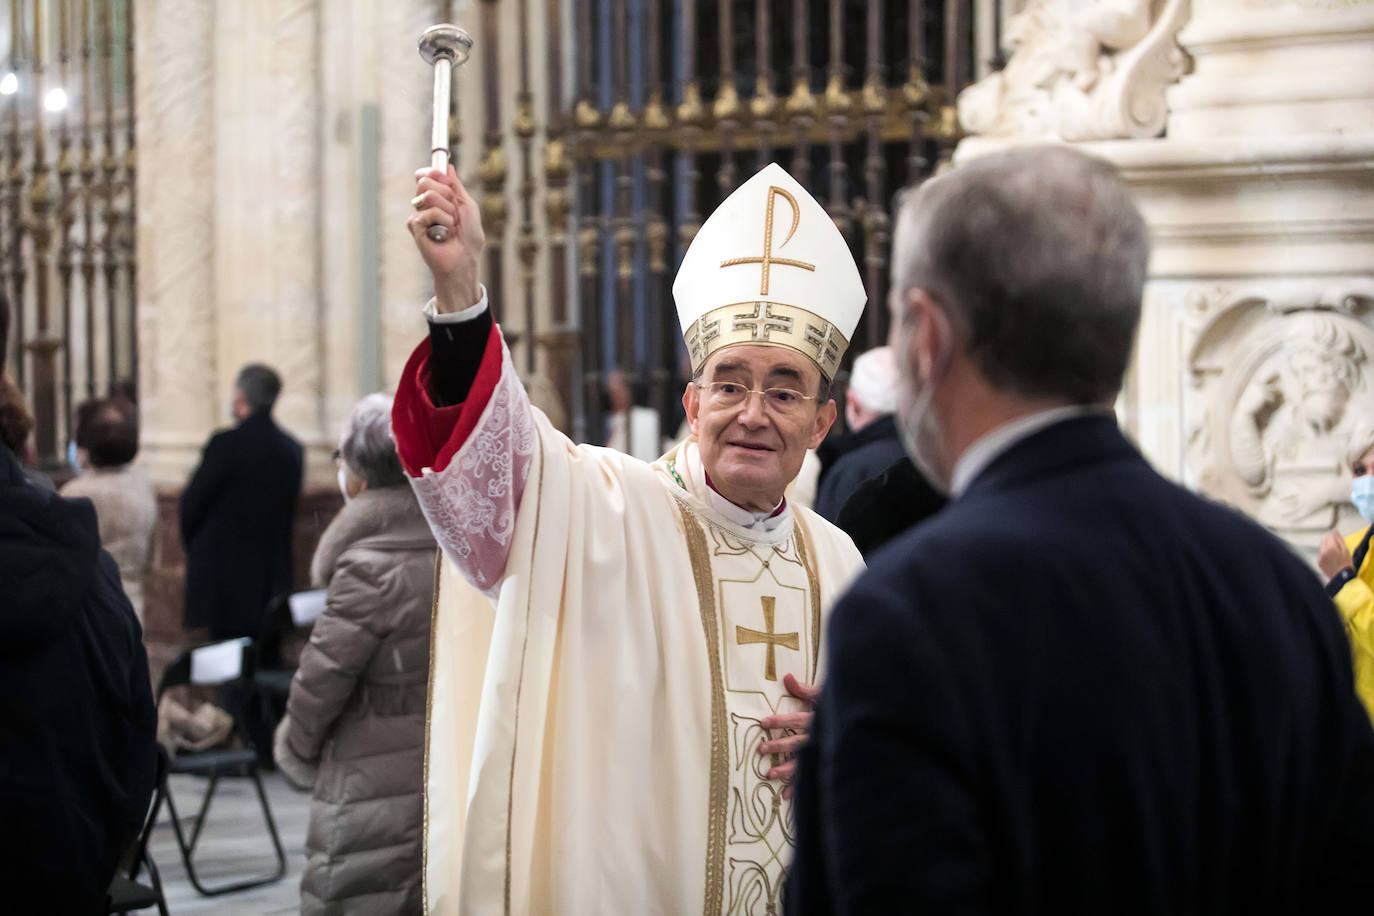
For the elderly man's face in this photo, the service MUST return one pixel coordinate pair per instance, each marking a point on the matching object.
(752, 447)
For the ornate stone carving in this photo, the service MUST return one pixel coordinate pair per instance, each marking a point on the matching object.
(1279, 379)
(1081, 70)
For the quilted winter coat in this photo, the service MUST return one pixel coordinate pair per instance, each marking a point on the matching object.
(357, 709)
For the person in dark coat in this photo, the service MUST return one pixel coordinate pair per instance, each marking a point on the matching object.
(883, 507)
(1079, 689)
(237, 513)
(77, 725)
(872, 443)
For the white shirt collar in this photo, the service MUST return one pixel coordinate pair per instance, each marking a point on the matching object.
(750, 521)
(988, 447)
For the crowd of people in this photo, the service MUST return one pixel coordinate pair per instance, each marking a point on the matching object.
(1003, 666)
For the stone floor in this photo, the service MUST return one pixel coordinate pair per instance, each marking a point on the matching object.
(234, 843)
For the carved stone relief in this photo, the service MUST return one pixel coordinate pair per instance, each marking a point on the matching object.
(1081, 70)
(1279, 380)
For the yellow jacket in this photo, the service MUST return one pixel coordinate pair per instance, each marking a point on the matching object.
(1356, 603)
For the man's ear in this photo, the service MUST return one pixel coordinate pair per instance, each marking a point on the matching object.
(930, 333)
(691, 404)
(825, 418)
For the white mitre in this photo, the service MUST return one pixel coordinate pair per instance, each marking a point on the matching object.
(769, 267)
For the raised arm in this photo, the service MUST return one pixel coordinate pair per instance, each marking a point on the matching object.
(461, 419)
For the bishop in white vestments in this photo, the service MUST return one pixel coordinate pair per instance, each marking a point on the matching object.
(619, 648)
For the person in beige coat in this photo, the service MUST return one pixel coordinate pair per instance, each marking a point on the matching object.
(355, 720)
(124, 498)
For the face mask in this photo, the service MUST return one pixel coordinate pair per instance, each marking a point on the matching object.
(921, 434)
(72, 459)
(343, 483)
(1362, 495)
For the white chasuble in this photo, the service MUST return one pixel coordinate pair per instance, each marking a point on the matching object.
(592, 740)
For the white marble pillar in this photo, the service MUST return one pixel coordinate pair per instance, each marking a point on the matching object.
(180, 399)
(277, 143)
(268, 205)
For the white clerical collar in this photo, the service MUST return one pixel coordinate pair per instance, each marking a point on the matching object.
(991, 445)
(737, 515)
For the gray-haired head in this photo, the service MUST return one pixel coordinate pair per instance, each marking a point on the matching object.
(1038, 256)
(367, 446)
(259, 385)
(1360, 443)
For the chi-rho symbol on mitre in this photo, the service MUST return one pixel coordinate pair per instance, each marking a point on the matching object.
(769, 267)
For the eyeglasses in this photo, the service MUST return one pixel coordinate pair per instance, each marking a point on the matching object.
(781, 401)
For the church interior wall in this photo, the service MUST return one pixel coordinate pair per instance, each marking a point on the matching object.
(277, 146)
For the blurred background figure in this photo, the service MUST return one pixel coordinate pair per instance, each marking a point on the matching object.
(77, 726)
(1346, 564)
(355, 721)
(872, 443)
(885, 506)
(16, 433)
(237, 511)
(125, 500)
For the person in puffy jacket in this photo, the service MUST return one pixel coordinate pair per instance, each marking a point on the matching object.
(355, 721)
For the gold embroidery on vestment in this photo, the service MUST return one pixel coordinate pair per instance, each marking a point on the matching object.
(814, 583)
(720, 762)
(745, 637)
(766, 323)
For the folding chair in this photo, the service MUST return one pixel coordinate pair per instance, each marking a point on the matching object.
(285, 614)
(126, 894)
(230, 665)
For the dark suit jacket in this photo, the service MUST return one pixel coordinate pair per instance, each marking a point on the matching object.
(1081, 689)
(885, 506)
(863, 454)
(77, 725)
(236, 518)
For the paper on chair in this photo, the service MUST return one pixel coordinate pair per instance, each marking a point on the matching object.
(217, 663)
(306, 606)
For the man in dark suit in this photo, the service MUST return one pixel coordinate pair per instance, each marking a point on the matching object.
(872, 443)
(237, 513)
(886, 506)
(77, 726)
(1079, 689)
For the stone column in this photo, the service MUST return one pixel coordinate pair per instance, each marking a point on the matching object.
(404, 85)
(269, 212)
(180, 402)
(1255, 359)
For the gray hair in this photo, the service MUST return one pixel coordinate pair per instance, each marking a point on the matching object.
(1038, 256)
(259, 385)
(367, 446)
(1360, 443)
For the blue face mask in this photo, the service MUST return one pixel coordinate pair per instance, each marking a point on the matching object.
(1362, 495)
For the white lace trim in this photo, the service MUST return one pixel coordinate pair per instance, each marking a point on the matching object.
(471, 505)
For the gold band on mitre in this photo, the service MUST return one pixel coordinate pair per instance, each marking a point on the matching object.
(770, 323)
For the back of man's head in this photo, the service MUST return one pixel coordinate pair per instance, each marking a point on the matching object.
(1038, 256)
(108, 431)
(259, 386)
(873, 383)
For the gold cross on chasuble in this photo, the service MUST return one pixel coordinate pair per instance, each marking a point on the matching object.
(745, 636)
